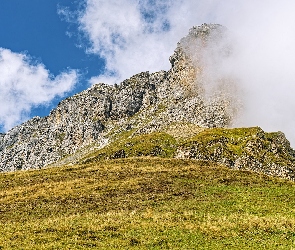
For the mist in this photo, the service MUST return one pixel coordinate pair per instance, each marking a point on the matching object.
(261, 33)
(263, 61)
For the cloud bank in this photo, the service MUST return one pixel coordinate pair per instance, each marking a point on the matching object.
(140, 35)
(25, 84)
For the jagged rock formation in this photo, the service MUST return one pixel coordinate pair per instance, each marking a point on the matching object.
(145, 103)
(1, 138)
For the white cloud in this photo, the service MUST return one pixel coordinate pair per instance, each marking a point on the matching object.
(264, 61)
(263, 30)
(24, 84)
(130, 33)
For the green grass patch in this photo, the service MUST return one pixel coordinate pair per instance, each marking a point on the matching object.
(145, 203)
(158, 144)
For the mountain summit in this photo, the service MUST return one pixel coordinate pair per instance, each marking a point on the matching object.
(183, 113)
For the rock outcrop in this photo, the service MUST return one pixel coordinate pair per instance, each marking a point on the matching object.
(145, 103)
(237, 148)
(243, 148)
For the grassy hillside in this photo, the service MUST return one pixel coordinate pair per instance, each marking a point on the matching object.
(237, 148)
(145, 203)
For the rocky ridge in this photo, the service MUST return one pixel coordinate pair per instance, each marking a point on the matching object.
(143, 104)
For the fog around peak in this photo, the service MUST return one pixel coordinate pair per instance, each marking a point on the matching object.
(139, 35)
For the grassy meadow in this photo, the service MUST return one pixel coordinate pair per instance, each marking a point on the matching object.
(145, 203)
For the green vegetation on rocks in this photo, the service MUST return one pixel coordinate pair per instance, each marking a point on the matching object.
(155, 144)
(238, 148)
(243, 148)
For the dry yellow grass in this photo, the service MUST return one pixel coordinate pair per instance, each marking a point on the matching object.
(145, 203)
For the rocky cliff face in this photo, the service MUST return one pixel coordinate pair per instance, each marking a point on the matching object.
(145, 103)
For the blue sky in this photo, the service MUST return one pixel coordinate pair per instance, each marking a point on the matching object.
(35, 28)
(53, 34)
(51, 49)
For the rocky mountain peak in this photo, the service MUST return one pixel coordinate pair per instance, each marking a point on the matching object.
(143, 104)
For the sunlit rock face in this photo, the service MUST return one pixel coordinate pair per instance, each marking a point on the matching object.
(196, 90)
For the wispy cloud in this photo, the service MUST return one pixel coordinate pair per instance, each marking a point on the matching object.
(128, 32)
(25, 84)
(140, 35)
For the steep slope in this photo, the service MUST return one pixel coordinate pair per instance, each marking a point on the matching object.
(145, 102)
